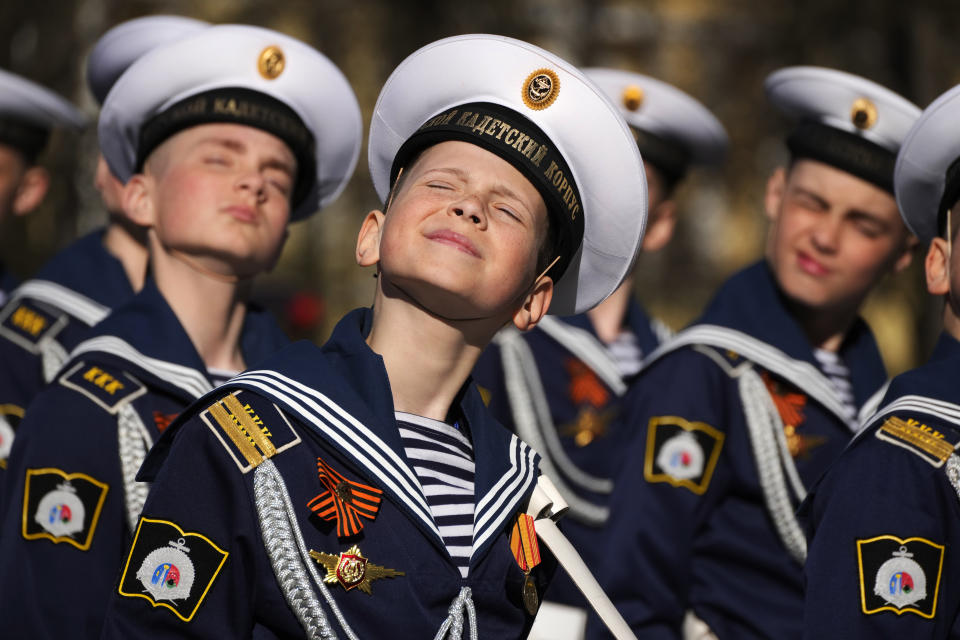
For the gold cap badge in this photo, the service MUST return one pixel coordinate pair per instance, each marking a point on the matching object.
(863, 114)
(540, 89)
(271, 62)
(633, 97)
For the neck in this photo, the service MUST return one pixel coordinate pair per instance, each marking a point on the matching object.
(427, 358)
(607, 317)
(825, 328)
(128, 244)
(211, 311)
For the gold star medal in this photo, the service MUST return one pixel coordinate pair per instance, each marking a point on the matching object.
(526, 551)
(351, 569)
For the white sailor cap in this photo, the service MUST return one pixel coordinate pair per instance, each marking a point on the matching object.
(542, 115)
(843, 120)
(28, 112)
(121, 45)
(927, 176)
(673, 130)
(245, 75)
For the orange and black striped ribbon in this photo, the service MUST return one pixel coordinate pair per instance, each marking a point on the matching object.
(523, 543)
(344, 501)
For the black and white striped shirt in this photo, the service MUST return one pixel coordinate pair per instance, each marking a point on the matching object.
(839, 375)
(442, 458)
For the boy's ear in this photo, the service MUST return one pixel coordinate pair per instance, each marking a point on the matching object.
(31, 191)
(937, 267)
(368, 240)
(660, 225)
(535, 304)
(773, 198)
(138, 200)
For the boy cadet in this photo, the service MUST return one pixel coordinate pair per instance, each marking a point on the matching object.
(362, 489)
(48, 314)
(248, 130)
(884, 524)
(737, 414)
(28, 114)
(574, 370)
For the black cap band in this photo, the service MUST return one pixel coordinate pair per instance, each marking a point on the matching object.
(670, 158)
(844, 150)
(520, 142)
(239, 106)
(951, 193)
(27, 138)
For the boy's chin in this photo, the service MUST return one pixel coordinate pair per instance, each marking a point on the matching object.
(453, 305)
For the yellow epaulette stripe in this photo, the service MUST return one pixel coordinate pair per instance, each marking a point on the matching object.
(252, 428)
(937, 447)
(236, 435)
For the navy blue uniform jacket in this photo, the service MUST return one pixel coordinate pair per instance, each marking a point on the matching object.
(70, 498)
(884, 523)
(689, 527)
(331, 404)
(47, 316)
(585, 412)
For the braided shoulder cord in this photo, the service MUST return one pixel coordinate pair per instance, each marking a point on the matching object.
(52, 357)
(763, 422)
(289, 557)
(452, 627)
(132, 444)
(529, 409)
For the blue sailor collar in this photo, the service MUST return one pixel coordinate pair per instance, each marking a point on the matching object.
(930, 389)
(636, 320)
(751, 306)
(145, 338)
(342, 394)
(84, 280)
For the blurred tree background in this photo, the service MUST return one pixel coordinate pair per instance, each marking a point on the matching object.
(717, 50)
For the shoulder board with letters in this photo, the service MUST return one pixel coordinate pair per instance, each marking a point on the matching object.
(930, 444)
(250, 435)
(27, 323)
(108, 386)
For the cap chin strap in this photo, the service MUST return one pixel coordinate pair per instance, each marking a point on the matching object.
(196, 266)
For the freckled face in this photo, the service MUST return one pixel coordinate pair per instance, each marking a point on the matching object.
(833, 235)
(222, 196)
(462, 234)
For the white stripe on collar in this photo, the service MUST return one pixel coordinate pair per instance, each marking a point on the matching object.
(803, 374)
(495, 507)
(186, 378)
(355, 439)
(77, 305)
(939, 408)
(588, 349)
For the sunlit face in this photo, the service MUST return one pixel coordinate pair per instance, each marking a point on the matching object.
(832, 235)
(12, 169)
(221, 195)
(462, 233)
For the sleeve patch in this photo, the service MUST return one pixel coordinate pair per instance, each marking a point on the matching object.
(27, 324)
(244, 434)
(108, 386)
(899, 575)
(681, 453)
(170, 567)
(928, 443)
(62, 507)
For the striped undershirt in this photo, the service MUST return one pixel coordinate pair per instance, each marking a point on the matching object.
(626, 352)
(839, 375)
(442, 458)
